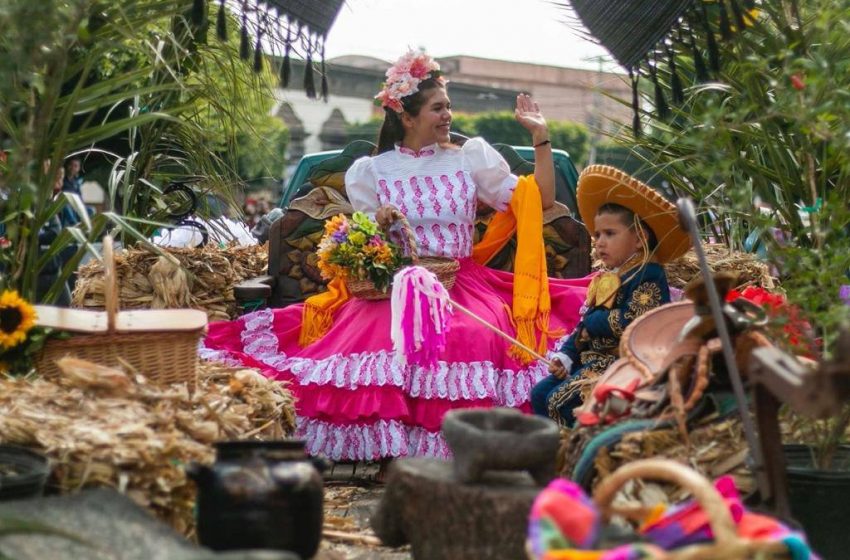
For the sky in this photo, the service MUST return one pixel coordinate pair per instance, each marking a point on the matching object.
(535, 31)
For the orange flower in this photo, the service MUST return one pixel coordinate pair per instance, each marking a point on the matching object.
(337, 223)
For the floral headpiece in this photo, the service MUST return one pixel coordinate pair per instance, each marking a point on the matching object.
(404, 77)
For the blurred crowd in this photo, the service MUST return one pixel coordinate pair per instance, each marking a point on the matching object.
(254, 209)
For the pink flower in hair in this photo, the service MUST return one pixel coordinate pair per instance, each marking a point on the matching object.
(404, 77)
(419, 68)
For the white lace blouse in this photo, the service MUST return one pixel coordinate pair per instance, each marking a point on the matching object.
(437, 189)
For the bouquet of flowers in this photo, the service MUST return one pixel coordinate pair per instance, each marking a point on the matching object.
(356, 249)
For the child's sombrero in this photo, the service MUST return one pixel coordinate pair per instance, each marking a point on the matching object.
(603, 184)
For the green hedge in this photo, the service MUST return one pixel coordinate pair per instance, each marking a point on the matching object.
(498, 127)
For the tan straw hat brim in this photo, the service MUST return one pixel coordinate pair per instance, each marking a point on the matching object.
(603, 184)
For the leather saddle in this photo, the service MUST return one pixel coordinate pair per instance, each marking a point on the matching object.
(665, 362)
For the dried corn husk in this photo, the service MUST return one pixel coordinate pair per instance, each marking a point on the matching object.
(105, 427)
(717, 447)
(198, 278)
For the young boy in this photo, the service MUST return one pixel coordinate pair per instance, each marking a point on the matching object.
(635, 230)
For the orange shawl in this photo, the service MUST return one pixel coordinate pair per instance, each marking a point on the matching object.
(531, 303)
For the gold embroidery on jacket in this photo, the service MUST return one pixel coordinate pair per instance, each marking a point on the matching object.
(614, 322)
(645, 297)
(556, 400)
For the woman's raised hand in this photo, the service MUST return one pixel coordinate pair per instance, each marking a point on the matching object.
(528, 114)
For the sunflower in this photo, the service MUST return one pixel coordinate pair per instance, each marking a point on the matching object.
(16, 318)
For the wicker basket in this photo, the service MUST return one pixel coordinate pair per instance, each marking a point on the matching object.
(160, 344)
(444, 268)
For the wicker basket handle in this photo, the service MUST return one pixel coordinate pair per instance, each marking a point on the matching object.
(705, 494)
(110, 287)
(406, 231)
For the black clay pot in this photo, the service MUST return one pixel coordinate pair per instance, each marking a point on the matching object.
(22, 473)
(260, 495)
(820, 499)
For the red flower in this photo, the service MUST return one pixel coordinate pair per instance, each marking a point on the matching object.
(797, 82)
(759, 296)
(795, 328)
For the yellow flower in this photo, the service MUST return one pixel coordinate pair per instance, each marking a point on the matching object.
(357, 238)
(751, 17)
(17, 317)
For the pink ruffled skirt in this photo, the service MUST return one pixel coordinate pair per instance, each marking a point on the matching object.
(355, 402)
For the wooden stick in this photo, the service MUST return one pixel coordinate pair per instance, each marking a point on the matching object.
(258, 429)
(501, 333)
(351, 537)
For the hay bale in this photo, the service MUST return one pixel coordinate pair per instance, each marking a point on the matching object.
(752, 271)
(197, 278)
(105, 427)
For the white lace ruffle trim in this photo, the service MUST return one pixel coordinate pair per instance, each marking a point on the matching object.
(368, 442)
(452, 381)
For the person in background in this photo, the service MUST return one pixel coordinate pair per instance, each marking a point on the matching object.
(249, 210)
(73, 181)
(46, 236)
(72, 184)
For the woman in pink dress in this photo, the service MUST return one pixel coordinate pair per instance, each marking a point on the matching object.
(355, 400)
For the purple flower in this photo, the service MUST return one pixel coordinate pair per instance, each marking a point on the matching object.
(340, 236)
(844, 294)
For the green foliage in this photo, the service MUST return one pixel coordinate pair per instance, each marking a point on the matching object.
(365, 131)
(766, 148)
(813, 275)
(626, 159)
(464, 124)
(571, 137)
(233, 107)
(133, 81)
(496, 127)
(19, 359)
(502, 127)
(823, 436)
(262, 151)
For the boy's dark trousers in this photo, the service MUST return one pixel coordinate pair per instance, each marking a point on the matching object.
(551, 395)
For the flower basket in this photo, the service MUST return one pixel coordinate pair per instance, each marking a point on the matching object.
(444, 268)
(161, 344)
